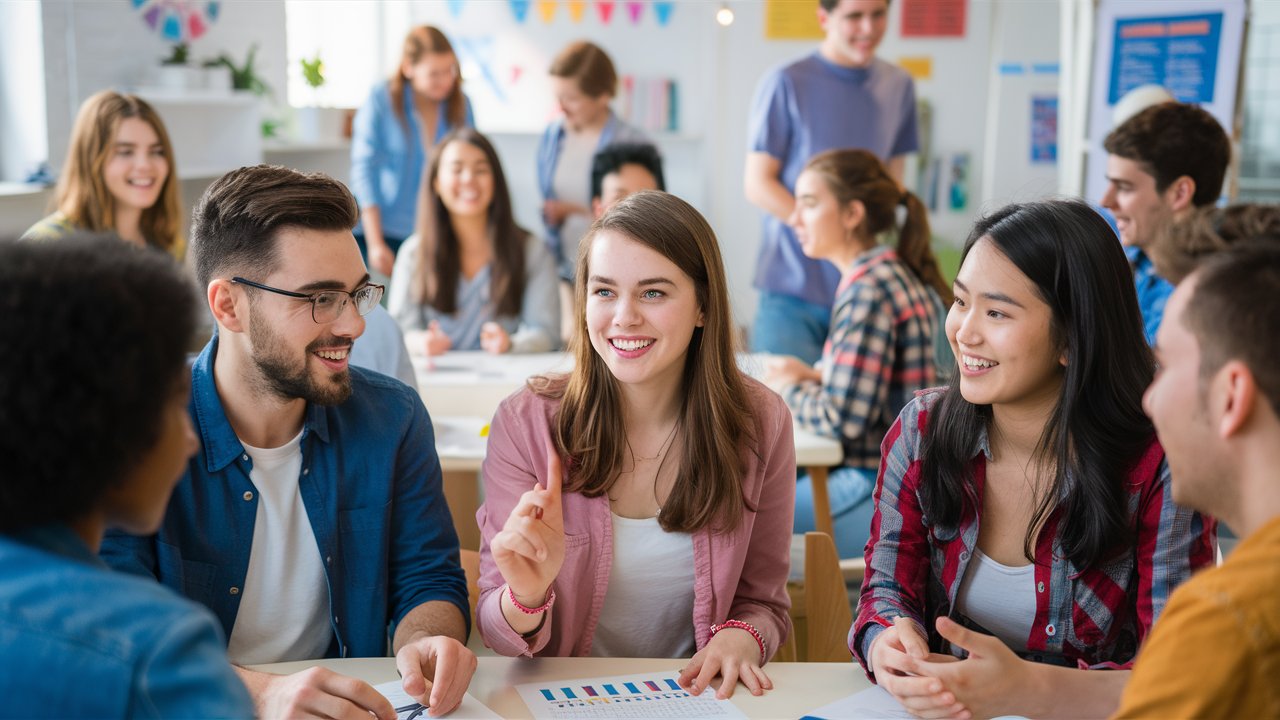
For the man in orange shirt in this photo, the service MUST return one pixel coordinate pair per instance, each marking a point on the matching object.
(1215, 402)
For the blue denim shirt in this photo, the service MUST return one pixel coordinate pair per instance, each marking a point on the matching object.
(548, 159)
(1153, 291)
(78, 640)
(373, 493)
(387, 159)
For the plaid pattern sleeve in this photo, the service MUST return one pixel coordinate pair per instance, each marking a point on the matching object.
(899, 553)
(879, 353)
(1087, 617)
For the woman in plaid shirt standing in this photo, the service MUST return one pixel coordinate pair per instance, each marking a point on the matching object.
(1024, 517)
(885, 327)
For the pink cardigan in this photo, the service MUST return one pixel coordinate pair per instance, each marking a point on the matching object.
(741, 575)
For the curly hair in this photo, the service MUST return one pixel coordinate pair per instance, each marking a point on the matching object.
(95, 336)
(1211, 230)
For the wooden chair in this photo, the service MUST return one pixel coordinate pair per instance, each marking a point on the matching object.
(820, 612)
(471, 566)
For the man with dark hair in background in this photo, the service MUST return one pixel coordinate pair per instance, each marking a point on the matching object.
(313, 523)
(1215, 402)
(1162, 163)
(621, 169)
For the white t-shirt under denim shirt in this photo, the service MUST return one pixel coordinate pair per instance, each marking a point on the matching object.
(284, 604)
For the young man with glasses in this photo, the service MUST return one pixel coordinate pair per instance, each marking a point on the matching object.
(313, 521)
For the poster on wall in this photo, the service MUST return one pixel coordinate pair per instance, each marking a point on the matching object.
(1192, 48)
(933, 18)
(790, 20)
(1044, 129)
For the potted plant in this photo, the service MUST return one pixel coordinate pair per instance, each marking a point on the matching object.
(175, 73)
(244, 77)
(310, 120)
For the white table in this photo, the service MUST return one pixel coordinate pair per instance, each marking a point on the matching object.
(462, 391)
(798, 687)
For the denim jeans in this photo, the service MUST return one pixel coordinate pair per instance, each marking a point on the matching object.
(850, 492)
(787, 325)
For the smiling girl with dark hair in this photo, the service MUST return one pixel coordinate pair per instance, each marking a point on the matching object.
(1030, 500)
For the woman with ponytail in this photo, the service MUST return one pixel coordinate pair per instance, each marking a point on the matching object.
(887, 315)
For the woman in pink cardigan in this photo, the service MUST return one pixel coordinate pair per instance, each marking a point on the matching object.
(641, 506)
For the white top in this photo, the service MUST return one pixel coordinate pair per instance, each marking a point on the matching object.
(648, 606)
(572, 183)
(284, 604)
(1000, 598)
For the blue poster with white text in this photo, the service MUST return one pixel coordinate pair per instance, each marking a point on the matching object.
(1178, 52)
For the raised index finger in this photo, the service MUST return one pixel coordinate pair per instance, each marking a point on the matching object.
(555, 473)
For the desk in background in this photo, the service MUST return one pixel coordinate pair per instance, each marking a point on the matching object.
(798, 687)
(462, 391)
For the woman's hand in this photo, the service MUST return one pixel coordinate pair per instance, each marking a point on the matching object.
(783, 370)
(894, 655)
(733, 654)
(493, 339)
(530, 548)
(555, 211)
(992, 681)
(381, 257)
(435, 340)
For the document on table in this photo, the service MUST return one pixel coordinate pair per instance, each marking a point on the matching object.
(649, 695)
(409, 709)
(871, 704)
(874, 703)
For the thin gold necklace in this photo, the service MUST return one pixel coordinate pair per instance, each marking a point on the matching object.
(662, 449)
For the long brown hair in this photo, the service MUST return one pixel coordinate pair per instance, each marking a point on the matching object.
(435, 279)
(859, 175)
(427, 40)
(716, 413)
(82, 193)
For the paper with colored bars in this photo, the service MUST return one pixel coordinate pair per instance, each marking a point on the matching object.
(624, 696)
(409, 709)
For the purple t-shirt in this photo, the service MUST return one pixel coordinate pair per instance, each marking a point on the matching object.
(805, 108)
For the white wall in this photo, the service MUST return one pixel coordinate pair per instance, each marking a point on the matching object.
(92, 45)
(22, 139)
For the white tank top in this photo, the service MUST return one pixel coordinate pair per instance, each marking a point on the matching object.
(648, 606)
(1000, 598)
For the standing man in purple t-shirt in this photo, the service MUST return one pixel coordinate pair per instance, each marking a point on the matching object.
(841, 96)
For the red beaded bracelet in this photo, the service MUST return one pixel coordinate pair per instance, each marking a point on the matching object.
(764, 654)
(551, 598)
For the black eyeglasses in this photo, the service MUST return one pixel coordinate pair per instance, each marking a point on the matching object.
(328, 305)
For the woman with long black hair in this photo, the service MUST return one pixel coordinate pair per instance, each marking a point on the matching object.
(1024, 517)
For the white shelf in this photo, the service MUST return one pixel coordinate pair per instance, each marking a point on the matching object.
(17, 189)
(284, 148)
(213, 132)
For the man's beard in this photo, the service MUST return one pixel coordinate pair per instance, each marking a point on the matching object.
(283, 377)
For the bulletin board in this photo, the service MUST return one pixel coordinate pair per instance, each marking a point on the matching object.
(1192, 48)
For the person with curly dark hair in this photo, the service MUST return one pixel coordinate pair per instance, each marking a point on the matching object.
(1210, 231)
(1162, 163)
(95, 434)
(314, 522)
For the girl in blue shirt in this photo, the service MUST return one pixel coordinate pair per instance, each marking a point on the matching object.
(392, 136)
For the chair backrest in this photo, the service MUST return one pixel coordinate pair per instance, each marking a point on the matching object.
(471, 566)
(827, 612)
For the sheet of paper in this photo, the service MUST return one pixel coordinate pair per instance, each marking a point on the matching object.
(649, 695)
(409, 709)
(872, 703)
